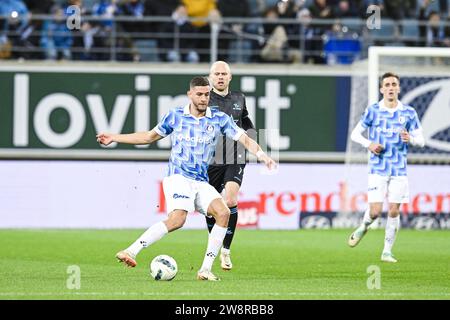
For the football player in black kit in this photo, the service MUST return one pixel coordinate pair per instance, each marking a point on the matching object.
(227, 170)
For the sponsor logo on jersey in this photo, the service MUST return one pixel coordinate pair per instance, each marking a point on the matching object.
(389, 130)
(180, 196)
(206, 140)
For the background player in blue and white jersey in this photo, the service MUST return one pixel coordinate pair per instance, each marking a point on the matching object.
(392, 127)
(195, 129)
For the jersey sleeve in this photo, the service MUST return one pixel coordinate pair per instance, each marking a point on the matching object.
(367, 117)
(166, 125)
(246, 121)
(414, 123)
(229, 128)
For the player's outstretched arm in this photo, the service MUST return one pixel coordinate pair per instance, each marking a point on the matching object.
(255, 149)
(146, 137)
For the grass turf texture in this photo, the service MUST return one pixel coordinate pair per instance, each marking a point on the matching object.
(302, 264)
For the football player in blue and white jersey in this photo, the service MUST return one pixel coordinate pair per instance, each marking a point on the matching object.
(392, 127)
(195, 130)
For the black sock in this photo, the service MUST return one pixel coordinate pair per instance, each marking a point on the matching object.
(210, 222)
(231, 227)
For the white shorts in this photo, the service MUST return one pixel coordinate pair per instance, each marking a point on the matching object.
(394, 187)
(188, 194)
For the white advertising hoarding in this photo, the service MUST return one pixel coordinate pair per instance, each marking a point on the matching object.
(102, 194)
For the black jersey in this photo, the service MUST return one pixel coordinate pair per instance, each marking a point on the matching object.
(233, 104)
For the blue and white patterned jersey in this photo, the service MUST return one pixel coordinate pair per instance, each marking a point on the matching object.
(194, 139)
(385, 125)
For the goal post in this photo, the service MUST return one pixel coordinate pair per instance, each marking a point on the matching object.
(375, 54)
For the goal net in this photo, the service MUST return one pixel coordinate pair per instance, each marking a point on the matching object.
(425, 85)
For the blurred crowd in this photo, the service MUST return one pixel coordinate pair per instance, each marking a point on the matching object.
(292, 30)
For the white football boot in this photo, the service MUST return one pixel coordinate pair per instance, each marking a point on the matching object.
(388, 257)
(357, 235)
(126, 258)
(225, 261)
(207, 275)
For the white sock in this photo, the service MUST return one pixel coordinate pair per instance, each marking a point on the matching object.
(392, 225)
(225, 251)
(367, 220)
(215, 241)
(153, 234)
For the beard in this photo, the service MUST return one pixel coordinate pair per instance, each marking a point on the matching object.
(200, 107)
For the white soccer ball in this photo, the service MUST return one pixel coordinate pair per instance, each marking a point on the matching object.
(163, 267)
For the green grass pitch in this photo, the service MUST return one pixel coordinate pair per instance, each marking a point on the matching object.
(301, 264)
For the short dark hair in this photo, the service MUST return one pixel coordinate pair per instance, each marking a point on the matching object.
(388, 75)
(199, 81)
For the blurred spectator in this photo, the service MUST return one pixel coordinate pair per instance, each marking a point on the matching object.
(275, 47)
(447, 32)
(132, 8)
(440, 6)
(343, 9)
(201, 31)
(311, 39)
(443, 6)
(93, 40)
(410, 9)
(188, 37)
(435, 31)
(97, 35)
(166, 40)
(256, 7)
(15, 22)
(431, 34)
(282, 38)
(77, 3)
(81, 38)
(341, 46)
(34, 28)
(56, 38)
(40, 6)
(321, 9)
(231, 32)
(105, 9)
(395, 9)
(288, 9)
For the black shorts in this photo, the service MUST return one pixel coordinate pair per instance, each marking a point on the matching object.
(220, 175)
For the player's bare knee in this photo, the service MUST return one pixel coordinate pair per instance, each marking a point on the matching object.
(393, 213)
(375, 213)
(222, 216)
(394, 210)
(231, 202)
(175, 222)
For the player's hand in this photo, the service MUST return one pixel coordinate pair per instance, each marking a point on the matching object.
(268, 161)
(376, 148)
(105, 138)
(404, 135)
